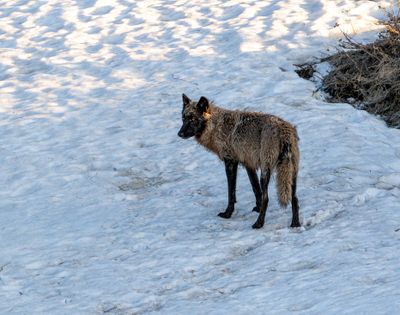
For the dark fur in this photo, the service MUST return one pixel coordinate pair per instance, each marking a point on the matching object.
(254, 140)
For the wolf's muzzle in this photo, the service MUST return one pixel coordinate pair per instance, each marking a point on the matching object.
(182, 135)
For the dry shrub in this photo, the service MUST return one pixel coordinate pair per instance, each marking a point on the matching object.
(368, 75)
(305, 71)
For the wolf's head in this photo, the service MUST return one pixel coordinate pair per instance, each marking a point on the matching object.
(193, 117)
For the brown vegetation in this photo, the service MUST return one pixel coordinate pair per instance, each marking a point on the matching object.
(368, 75)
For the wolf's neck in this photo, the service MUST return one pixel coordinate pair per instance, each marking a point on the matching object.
(210, 137)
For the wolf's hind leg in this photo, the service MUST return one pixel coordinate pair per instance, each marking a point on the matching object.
(231, 167)
(265, 176)
(255, 184)
(295, 205)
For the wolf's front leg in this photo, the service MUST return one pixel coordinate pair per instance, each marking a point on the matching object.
(231, 167)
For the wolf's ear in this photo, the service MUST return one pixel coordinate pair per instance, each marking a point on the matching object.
(185, 99)
(202, 104)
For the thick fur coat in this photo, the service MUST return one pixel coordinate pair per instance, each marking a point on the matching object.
(255, 140)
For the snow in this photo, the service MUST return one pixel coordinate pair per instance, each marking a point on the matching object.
(105, 210)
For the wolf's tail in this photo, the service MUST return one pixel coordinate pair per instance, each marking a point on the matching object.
(286, 170)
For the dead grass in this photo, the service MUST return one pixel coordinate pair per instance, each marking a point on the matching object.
(368, 75)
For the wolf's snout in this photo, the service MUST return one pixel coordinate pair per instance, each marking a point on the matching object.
(181, 134)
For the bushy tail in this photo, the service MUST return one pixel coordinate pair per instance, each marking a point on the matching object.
(286, 171)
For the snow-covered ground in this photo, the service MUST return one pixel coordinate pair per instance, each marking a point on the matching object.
(103, 209)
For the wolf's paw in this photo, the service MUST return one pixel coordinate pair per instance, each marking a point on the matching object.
(258, 225)
(295, 224)
(225, 215)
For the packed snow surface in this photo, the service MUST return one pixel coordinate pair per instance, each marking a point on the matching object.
(103, 209)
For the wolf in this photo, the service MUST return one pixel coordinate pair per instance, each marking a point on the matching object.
(257, 141)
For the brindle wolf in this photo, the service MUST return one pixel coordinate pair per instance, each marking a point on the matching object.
(254, 140)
